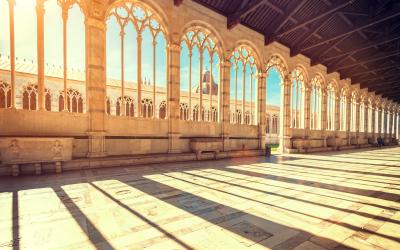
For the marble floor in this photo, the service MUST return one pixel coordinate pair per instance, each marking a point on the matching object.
(345, 200)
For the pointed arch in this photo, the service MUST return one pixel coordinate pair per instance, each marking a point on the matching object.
(200, 71)
(244, 82)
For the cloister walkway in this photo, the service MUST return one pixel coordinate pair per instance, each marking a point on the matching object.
(332, 200)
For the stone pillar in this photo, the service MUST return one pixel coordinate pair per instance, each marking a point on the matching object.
(348, 118)
(366, 119)
(173, 97)
(225, 102)
(379, 121)
(307, 110)
(40, 53)
(337, 112)
(373, 127)
(95, 83)
(284, 126)
(358, 118)
(11, 4)
(324, 114)
(261, 109)
(390, 125)
(395, 124)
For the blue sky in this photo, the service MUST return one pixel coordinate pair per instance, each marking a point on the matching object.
(25, 44)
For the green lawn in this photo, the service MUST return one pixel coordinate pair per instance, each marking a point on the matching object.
(274, 147)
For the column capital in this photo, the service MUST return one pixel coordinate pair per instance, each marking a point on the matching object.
(96, 23)
(175, 47)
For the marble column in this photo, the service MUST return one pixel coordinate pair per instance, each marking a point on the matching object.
(225, 102)
(357, 118)
(173, 97)
(261, 109)
(373, 125)
(11, 4)
(40, 53)
(284, 134)
(96, 88)
(337, 113)
(348, 118)
(366, 121)
(324, 114)
(307, 110)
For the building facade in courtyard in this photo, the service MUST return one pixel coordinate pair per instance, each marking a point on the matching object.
(198, 79)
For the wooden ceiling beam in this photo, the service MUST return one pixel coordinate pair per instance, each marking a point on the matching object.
(363, 61)
(244, 10)
(383, 78)
(374, 70)
(374, 86)
(334, 8)
(367, 45)
(301, 40)
(289, 12)
(356, 28)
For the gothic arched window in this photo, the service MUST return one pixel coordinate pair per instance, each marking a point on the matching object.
(331, 102)
(108, 106)
(315, 114)
(29, 97)
(243, 83)
(343, 110)
(297, 98)
(200, 69)
(5, 95)
(353, 113)
(214, 114)
(136, 48)
(147, 108)
(196, 113)
(184, 111)
(274, 124)
(163, 110)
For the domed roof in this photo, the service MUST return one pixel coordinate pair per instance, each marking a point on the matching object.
(207, 80)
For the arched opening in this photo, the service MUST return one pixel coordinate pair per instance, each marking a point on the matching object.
(162, 110)
(243, 86)
(315, 110)
(297, 98)
(199, 72)
(331, 106)
(273, 95)
(5, 95)
(183, 111)
(136, 49)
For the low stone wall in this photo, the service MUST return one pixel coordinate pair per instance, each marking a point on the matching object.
(129, 161)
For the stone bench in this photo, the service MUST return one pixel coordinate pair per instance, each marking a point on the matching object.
(16, 151)
(199, 145)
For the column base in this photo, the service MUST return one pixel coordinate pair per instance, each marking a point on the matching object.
(97, 144)
(225, 142)
(173, 143)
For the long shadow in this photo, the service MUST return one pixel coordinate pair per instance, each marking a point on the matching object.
(287, 197)
(313, 175)
(366, 157)
(300, 173)
(15, 221)
(344, 170)
(91, 231)
(307, 192)
(334, 187)
(234, 214)
(358, 163)
(149, 222)
(343, 224)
